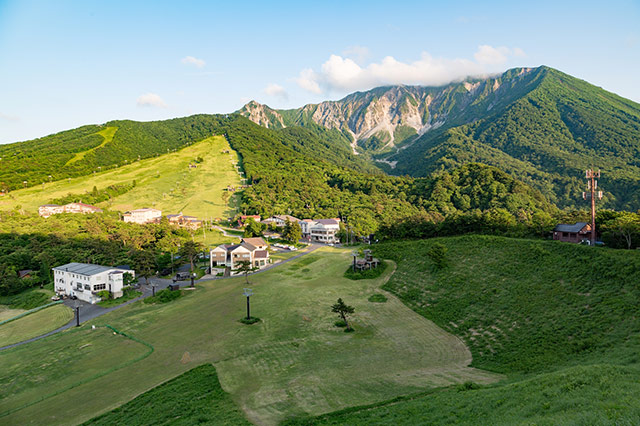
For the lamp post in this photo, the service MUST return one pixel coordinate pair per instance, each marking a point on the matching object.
(248, 292)
(76, 305)
(193, 277)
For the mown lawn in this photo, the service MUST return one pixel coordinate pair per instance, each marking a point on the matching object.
(194, 397)
(166, 183)
(35, 324)
(294, 362)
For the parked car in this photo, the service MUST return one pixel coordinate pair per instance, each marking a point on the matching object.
(181, 276)
(55, 298)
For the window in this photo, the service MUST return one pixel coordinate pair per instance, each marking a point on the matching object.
(98, 287)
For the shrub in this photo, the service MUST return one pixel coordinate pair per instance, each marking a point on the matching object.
(437, 253)
(105, 294)
(366, 274)
(250, 320)
(164, 296)
(340, 323)
(467, 386)
(377, 298)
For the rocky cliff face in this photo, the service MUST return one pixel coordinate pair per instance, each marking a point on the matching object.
(385, 118)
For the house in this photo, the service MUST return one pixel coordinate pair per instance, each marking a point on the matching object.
(84, 280)
(47, 210)
(281, 220)
(257, 242)
(242, 220)
(142, 216)
(230, 255)
(183, 221)
(572, 233)
(320, 230)
(25, 273)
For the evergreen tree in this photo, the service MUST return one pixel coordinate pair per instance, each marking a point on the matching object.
(343, 310)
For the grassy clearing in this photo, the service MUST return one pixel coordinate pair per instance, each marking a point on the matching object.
(35, 371)
(35, 324)
(525, 306)
(293, 362)
(128, 295)
(164, 182)
(28, 299)
(107, 135)
(194, 397)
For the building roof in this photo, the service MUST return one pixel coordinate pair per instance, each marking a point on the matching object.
(84, 268)
(261, 254)
(327, 221)
(51, 205)
(255, 241)
(145, 209)
(84, 205)
(570, 228)
(286, 216)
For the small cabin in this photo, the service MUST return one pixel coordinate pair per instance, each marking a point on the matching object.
(575, 233)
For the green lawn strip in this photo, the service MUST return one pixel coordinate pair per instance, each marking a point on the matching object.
(294, 361)
(107, 135)
(34, 324)
(28, 299)
(593, 394)
(194, 397)
(127, 295)
(60, 369)
(30, 311)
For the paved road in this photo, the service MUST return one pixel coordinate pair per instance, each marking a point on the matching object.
(89, 312)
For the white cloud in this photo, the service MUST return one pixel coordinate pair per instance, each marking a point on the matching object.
(490, 55)
(151, 100)
(190, 60)
(358, 53)
(344, 74)
(10, 118)
(276, 90)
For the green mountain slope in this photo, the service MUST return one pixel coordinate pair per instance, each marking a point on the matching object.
(548, 137)
(537, 124)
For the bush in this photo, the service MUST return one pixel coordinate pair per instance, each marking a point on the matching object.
(377, 298)
(164, 296)
(340, 323)
(437, 253)
(105, 294)
(250, 320)
(366, 274)
(467, 386)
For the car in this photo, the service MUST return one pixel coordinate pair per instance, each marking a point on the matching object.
(55, 298)
(330, 244)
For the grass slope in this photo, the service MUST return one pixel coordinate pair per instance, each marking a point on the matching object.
(164, 182)
(194, 397)
(294, 362)
(37, 371)
(524, 305)
(107, 135)
(560, 319)
(595, 395)
(35, 324)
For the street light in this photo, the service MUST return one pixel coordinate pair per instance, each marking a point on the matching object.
(193, 277)
(76, 305)
(248, 292)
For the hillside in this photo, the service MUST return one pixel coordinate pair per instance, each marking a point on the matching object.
(165, 182)
(560, 320)
(538, 124)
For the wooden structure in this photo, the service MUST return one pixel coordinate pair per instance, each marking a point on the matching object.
(576, 233)
(366, 263)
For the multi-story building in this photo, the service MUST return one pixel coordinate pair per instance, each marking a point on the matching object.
(230, 255)
(320, 230)
(84, 280)
(142, 216)
(47, 210)
(281, 220)
(190, 222)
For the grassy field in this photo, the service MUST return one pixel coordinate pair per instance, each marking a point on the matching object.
(166, 183)
(194, 397)
(294, 362)
(37, 371)
(35, 324)
(6, 312)
(107, 135)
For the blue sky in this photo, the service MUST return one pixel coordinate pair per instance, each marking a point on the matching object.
(68, 63)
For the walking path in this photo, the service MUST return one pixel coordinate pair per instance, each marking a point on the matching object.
(89, 311)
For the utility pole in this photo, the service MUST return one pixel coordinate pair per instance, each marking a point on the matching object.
(248, 293)
(592, 185)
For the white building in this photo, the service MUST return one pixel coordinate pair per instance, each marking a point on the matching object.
(142, 216)
(230, 255)
(47, 210)
(84, 280)
(320, 230)
(281, 220)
